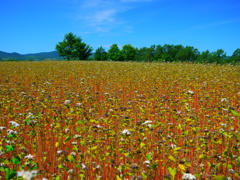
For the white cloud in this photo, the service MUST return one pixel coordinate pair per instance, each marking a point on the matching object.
(103, 15)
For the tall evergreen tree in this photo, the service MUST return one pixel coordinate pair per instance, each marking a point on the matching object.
(114, 53)
(100, 54)
(72, 47)
(128, 52)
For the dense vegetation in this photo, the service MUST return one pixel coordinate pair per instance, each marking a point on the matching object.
(72, 47)
(119, 120)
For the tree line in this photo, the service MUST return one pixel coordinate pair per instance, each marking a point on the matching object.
(72, 48)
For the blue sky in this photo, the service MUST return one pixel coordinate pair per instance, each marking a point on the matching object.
(30, 26)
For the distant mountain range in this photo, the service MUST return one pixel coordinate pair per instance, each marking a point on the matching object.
(53, 55)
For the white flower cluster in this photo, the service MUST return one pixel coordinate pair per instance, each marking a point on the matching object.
(190, 92)
(27, 175)
(2, 128)
(188, 176)
(76, 136)
(66, 102)
(10, 131)
(14, 124)
(30, 157)
(148, 123)
(126, 132)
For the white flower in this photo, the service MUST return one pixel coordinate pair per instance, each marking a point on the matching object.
(149, 126)
(14, 124)
(223, 125)
(27, 175)
(79, 104)
(188, 176)
(231, 171)
(1, 153)
(224, 100)
(74, 143)
(173, 146)
(59, 151)
(73, 153)
(76, 136)
(146, 162)
(70, 171)
(83, 166)
(99, 127)
(66, 130)
(126, 132)
(47, 83)
(10, 131)
(29, 115)
(2, 128)
(10, 142)
(190, 92)
(29, 156)
(147, 122)
(66, 102)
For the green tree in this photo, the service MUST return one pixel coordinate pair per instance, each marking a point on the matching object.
(114, 53)
(203, 57)
(169, 53)
(128, 52)
(82, 51)
(187, 53)
(72, 47)
(158, 53)
(100, 54)
(217, 56)
(235, 58)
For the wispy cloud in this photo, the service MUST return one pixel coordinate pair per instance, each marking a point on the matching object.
(215, 24)
(104, 15)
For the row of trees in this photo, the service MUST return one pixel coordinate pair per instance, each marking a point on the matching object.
(72, 47)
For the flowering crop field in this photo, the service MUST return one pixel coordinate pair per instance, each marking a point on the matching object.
(119, 120)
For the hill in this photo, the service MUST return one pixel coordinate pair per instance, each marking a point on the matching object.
(32, 56)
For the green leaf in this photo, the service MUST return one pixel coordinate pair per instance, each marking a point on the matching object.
(67, 138)
(11, 135)
(229, 166)
(10, 147)
(154, 166)
(173, 172)
(10, 173)
(79, 122)
(172, 158)
(27, 121)
(16, 160)
(221, 177)
(78, 129)
(144, 175)
(142, 144)
(149, 157)
(235, 113)
(61, 166)
(57, 178)
(71, 158)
